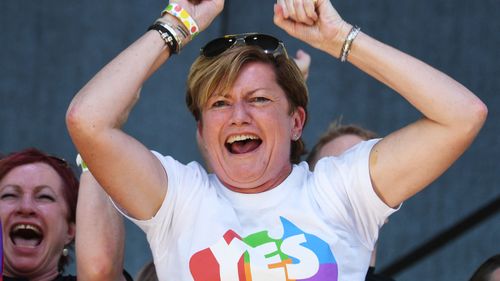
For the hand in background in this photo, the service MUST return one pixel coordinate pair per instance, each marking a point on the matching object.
(303, 61)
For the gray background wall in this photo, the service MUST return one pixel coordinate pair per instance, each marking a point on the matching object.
(49, 49)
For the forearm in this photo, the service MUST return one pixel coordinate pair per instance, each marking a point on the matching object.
(408, 159)
(452, 118)
(106, 99)
(95, 115)
(437, 96)
(100, 234)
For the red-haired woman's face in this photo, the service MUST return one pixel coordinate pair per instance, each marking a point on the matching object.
(35, 223)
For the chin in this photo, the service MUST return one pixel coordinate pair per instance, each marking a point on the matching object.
(23, 267)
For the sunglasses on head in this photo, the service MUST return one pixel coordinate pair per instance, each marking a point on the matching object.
(269, 44)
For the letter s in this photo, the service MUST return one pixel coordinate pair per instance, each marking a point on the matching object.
(308, 264)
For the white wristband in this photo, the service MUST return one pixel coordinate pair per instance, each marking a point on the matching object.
(81, 163)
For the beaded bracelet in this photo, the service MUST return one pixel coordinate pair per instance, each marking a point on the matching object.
(177, 11)
(168, 35)
(346, 48)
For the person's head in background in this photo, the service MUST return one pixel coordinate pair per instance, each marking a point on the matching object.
(488, 271)
(337, 139)
(38, 196)
(147, 273)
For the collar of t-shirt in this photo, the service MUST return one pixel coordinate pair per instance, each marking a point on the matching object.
(267, 198)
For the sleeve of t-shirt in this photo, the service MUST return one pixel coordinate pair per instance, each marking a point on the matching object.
(185, 185)
(346, 193)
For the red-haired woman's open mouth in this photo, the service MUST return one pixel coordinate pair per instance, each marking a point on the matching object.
(26, 235)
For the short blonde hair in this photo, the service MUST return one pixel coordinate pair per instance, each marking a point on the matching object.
(216, 75)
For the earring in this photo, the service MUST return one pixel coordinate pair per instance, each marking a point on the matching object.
(65, 252)
(295, 137)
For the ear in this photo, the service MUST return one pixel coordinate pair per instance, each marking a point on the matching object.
(71, 233)
(298, 121)
(199, 128)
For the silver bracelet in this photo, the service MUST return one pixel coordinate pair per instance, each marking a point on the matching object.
(171, 29)
(346, 48)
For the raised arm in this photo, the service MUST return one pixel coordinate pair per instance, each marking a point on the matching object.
(100, 234)
(409, 159)
(128, 171)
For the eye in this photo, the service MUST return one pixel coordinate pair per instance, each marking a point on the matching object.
(8, 196)
(46, 197)
(259, 99)
(219, 103)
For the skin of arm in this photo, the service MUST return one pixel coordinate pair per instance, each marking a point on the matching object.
(100, 235)
(129, 172)
(409, 159)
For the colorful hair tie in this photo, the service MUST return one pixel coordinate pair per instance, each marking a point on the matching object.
(177, 11)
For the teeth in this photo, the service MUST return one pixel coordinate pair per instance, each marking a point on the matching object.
(241, 138)
(26, 227)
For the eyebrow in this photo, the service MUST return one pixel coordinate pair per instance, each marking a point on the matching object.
(14, 186)
(39, 188)
(18, 188)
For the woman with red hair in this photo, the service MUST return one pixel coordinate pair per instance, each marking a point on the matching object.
(38, 210)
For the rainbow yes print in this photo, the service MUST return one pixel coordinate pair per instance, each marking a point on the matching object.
(257, 257)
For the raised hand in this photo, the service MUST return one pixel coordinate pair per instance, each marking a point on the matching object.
(318, 28)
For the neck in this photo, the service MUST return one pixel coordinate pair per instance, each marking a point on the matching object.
(272, 183)
(46, 277)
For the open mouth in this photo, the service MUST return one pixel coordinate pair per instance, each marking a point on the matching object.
(239, 144)
(26, 235)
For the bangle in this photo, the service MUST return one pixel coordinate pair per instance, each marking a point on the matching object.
(177, 11)
(168, 35)
(81, 163)
(346, 48)
(175, 29)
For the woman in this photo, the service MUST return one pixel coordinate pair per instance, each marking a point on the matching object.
(38, 209)
(259, 217)
(38, 197)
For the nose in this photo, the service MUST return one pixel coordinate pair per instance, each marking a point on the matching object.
(240, 114)
(26, 206)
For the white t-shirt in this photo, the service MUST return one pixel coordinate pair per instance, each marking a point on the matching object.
(319, 225)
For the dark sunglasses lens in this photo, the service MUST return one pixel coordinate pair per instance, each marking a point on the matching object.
(217, 46)
(266, 42)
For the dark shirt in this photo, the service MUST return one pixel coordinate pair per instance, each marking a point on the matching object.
(372, 276)
(58, 278)
(61, 278)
